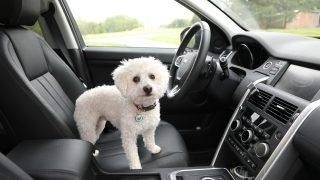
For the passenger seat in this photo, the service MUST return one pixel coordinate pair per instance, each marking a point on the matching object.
(38, 91)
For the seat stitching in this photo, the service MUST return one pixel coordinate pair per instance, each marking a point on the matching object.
(103, 142)
(58, 93)
(14, 57)
(51, 96)
(153, 159)
(109, 148)
(112, 155)
(53, 171)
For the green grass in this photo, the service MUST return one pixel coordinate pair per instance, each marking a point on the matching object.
(169, 38)
(166, 35)
(139, 31)
(311, 32)
(103, 44)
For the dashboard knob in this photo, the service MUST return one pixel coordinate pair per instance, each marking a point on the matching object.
(235, 125)
(247, 136)
(261, 149)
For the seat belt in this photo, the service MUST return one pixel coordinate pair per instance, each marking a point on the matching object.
(58, 39)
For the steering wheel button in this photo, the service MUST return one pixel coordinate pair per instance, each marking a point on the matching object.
(178, 61)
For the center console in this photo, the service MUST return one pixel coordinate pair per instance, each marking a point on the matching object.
(258, 125)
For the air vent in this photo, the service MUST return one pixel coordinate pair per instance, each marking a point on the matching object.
(281, 110)
(260, 99)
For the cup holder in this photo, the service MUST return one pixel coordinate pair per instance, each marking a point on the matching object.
(241, 173)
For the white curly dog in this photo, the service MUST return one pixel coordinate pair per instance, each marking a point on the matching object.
(132, 106)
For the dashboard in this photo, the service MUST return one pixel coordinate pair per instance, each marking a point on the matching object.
(300, 81)
(289, 61)
(278, 79)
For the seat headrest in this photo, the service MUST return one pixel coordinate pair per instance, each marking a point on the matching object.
(19, 12)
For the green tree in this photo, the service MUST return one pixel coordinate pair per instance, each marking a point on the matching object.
(194, 19)
(277, 13)
(269, 13)
(120, 23)
(178, 23)
(89, 27)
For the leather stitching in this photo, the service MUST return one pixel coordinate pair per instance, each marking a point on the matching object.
(52, 172)
(62, 99)
(45, 88)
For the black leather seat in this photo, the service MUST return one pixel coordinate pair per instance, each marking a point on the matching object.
(9, 170)
(38, 91)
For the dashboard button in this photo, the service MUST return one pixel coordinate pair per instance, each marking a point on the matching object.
(279, 64)
(247, 136)
(267, 65)
(261, 149)
(266, 135)
(235, 125)
(252, 165)
(272, 72)
(279, 135)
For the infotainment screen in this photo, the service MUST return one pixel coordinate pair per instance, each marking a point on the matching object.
(300, 81)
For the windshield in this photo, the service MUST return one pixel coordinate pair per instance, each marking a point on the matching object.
(292, 16)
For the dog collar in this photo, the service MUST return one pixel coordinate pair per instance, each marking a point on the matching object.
(145, 109)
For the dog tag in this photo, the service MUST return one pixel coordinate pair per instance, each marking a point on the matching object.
(139, 118)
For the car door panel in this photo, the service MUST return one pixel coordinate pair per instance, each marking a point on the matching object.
(102, 60)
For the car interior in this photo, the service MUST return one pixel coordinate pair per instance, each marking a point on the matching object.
(240, 104)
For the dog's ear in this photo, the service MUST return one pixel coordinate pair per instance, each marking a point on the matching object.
(164, 73)
(119, 78)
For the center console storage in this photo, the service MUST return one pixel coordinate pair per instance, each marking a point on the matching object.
(53, 159)
(208, 173)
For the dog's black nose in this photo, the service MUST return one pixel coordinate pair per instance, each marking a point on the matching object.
(147, 89)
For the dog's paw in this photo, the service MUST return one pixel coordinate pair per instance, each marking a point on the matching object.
(155, 149)
(135, 166)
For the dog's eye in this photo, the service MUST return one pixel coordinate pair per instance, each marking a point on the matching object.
(136, 79)
(151, 76)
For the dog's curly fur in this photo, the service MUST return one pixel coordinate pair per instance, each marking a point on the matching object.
(117, 105)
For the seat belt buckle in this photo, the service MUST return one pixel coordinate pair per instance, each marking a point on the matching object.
(84, 84)
(95, 152)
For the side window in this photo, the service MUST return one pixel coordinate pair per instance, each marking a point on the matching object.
(36, 28)
(138, 23)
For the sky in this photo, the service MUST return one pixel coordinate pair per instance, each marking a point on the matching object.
(152, 13)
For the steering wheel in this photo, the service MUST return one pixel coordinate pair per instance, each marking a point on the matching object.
(187, 64)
